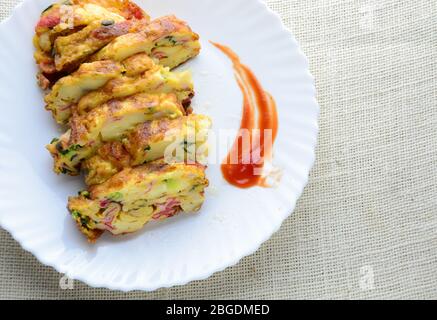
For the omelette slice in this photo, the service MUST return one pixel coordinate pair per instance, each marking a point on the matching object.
(108, 123)
(71, 50)
(63, 15)
(61, 20)
(68, 17)
(167, 39)
(68, 90)
(90, 76)
(180, 140)
(136, 196)
(157, 80)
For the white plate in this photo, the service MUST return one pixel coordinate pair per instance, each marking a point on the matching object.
(232, 224)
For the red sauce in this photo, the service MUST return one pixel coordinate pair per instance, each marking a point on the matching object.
(259, 112)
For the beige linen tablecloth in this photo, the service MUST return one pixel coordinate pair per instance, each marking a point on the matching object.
(366, 226)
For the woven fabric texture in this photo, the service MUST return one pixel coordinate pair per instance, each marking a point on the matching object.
(366, 226)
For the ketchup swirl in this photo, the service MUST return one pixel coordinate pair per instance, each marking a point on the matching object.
(259, 113)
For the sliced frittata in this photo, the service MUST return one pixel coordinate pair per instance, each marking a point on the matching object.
(180, 140)
(159, 79)
(167, 39)
(72, 50)
(108, 123)
(135, 196)
(66, 92)
(68, 17)
(106, 68)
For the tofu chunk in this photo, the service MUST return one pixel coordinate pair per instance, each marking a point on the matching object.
(136, 196)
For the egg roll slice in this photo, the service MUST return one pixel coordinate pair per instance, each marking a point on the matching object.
(180, 140)
(63, 15)
(136, 196)
(61, 19)
(72, 50)
(68, 17)
(109, 122)
(68, 90)
(90, 76)
(157, 80)
(167, 39)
